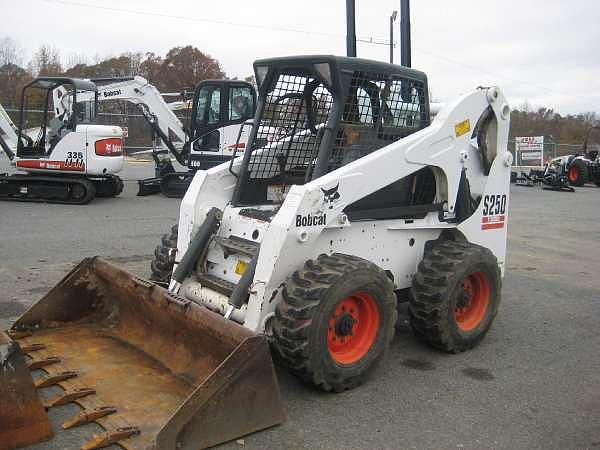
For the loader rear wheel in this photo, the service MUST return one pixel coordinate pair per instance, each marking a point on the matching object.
(164, 257)
(335, 321)
(455, 296)
(578, 173)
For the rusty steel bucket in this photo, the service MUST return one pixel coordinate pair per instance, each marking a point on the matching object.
(154, 370)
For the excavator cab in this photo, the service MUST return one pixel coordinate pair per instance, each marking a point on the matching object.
(219, 108)
(40, 131)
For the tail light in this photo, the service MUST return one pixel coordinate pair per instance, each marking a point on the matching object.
(109, 147)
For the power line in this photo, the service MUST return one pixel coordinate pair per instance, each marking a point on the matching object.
(499, 75)
(366, 40)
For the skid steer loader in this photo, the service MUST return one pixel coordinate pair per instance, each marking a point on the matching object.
(304, 243)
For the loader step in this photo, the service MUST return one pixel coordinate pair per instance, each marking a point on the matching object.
(258, 214)
(234, 244)
(216, 284)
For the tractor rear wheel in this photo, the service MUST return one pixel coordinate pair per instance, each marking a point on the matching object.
(164, 257)
(578, 173)
(335, 321)
(455, 296)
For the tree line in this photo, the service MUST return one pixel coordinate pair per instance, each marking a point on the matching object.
(181, 67)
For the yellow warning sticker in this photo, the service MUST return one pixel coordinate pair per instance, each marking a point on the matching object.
(462, 128)
(240, 267)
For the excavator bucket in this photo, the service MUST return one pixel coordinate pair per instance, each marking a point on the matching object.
(155, 371)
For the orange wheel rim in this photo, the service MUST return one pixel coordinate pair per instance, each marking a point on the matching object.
(573, 173)
(474, 301)
(353, 328)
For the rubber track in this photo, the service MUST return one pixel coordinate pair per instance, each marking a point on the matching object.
(115, 183)
(294, 314)
(19, 179)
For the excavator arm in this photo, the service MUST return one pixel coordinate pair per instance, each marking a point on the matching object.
(8, 134)
(145, 96)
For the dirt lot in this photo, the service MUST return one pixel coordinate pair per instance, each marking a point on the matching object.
(533, 383)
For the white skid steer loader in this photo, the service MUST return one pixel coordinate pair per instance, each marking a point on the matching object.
(306, 243)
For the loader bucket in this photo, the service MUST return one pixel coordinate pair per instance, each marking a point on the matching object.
(152, 369)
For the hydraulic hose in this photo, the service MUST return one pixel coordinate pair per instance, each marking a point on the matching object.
(195, 249)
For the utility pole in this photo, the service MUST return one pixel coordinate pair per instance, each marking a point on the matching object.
(405, 44)
(350, 28)
(392, 20)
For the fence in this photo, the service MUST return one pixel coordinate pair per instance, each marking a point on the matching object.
(139, 138)
(122, 115)
(551, 150)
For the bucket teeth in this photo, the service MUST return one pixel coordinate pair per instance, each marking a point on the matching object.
(39, 363)
(88, 415)
(54, 379)
(110, 437)
(70, 396)
(28, 348)
(18, 334)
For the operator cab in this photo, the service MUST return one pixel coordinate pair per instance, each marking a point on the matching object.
(41, 125)
(219, 107)
(319, 113)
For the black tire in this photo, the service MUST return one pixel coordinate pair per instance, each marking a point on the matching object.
(164, 257)
(438, 291)
(597, 182)
(578, 173)
(311, 297)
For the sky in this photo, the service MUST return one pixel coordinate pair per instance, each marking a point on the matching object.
(540, 52)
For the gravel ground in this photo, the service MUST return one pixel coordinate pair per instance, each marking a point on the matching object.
(534, 382)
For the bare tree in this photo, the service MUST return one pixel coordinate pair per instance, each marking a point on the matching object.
(46, 61)
(76, 59)
(10, 52)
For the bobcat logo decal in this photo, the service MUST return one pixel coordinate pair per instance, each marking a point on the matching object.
(331, 195)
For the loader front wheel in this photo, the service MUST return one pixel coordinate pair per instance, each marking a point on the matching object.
(335, 321)
(455, 296)
(164, 257)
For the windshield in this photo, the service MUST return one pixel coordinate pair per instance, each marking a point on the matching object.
(378, 109)
(294, 111)
(208, 108)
